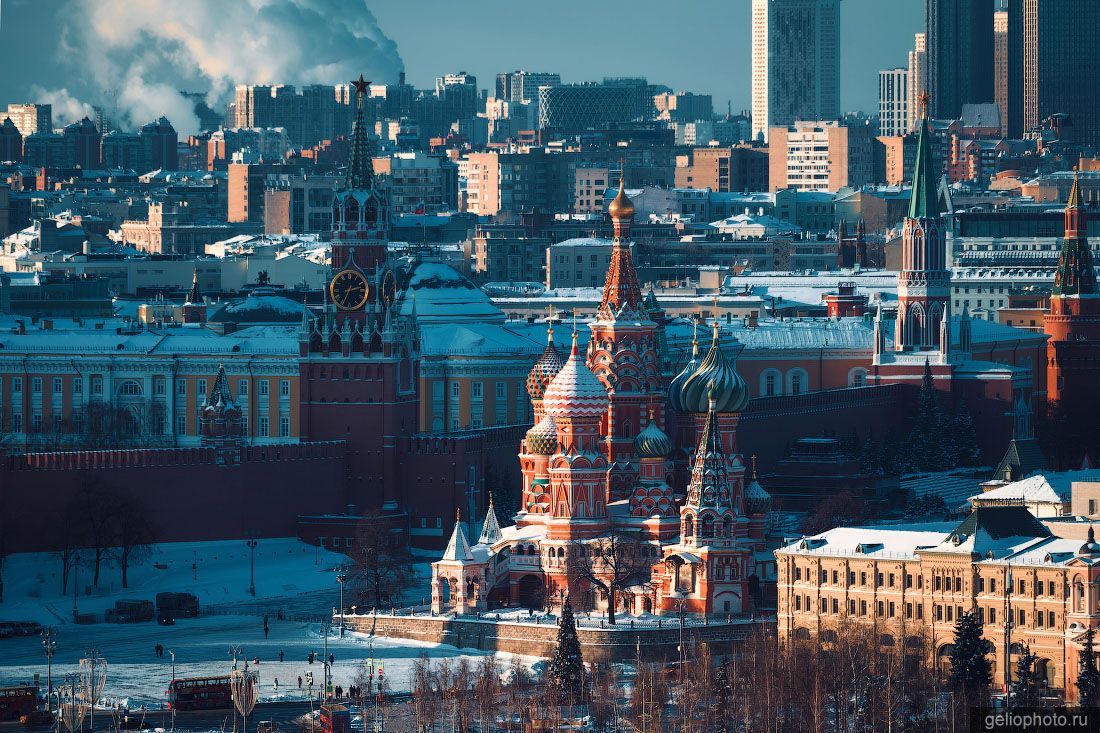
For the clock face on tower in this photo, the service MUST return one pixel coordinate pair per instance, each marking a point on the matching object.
(389, 287)
(349, 290)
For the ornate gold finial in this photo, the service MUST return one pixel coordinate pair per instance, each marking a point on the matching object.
(753, 466)
(550, 325)
(923, 101)
(458, 515)
(715, 319)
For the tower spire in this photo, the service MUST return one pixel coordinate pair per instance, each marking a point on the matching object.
(360, 167)
(924, 203)
(1075, 274)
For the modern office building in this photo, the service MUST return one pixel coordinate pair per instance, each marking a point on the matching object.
(960, 55)
(31, 118)
(917, 79)
(574, 107)
(893, 102)
(523, 86)
(795, 62)
(820, 156)
(160, 144)
(1061, 58)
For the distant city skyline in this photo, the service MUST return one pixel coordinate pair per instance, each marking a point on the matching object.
(693, 45)
(696, 45)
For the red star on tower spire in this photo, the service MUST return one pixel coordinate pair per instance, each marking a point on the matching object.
(360, 85)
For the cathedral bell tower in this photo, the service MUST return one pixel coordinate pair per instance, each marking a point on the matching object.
(623, 353)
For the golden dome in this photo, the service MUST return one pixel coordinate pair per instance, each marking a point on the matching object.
(621, 207)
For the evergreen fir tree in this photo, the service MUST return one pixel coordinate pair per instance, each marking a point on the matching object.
(566, 673)
(964, 438)
(870, 462)
(1088, 679)
(970, 667)
(1028, 681)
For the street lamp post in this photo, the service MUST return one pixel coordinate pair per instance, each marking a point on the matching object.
(49, 646)
(252, 565)
(76, 584)
(341, 578)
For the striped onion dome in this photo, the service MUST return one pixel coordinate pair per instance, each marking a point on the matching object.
(757, 500)
(575, 391)
(676, 386)
(546, 368)
(731, 394)
(542, 439)
(652, 442)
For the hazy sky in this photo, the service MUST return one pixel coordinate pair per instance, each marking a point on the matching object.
(69, 51)
(696, 45)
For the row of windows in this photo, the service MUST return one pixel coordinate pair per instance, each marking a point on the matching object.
(882, 609)
(881, 579)
(131, 387)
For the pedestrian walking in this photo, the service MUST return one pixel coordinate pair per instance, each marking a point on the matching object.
(312, 656)
(331, 660)
(280, 655)
(276, 683)
(299, 682)
(266, 631)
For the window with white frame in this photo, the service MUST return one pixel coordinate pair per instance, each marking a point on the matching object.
(181, 425)
(78, 386)
(264, 427)
(57, 385)
(264, 386)
(284, 427)
(284, 388)
(242, 388)
(36, 385)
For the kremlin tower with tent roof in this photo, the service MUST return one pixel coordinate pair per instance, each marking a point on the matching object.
(599, 470)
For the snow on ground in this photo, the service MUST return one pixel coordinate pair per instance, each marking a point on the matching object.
(202, 647)
(284, 567)
(290, 575)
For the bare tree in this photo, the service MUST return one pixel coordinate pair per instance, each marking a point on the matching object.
(425, 695)
(69, 541)
(383, 565)
(610, 563)
(132, 533)
(94, 502)
(487, 689)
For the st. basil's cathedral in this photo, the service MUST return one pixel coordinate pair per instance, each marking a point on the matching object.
(633, 487)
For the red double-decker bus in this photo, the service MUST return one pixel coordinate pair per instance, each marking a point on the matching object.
(200, 693)
(335, 718)
(15, 702)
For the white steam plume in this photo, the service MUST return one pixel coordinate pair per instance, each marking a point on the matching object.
(142, 52)
(66, 107)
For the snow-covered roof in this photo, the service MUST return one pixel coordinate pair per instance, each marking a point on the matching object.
(476, 338)
(1049, 486)
(439, 292)
(583, 242)
(894, 541)
(260, 307)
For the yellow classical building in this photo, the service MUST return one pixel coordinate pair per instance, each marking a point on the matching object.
(909, 583)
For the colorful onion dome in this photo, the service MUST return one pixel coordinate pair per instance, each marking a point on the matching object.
(546, 368)
(676, 386)
(731, 394)
(542, 439)
(575, 391)
(652, 442)
(621, 207)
